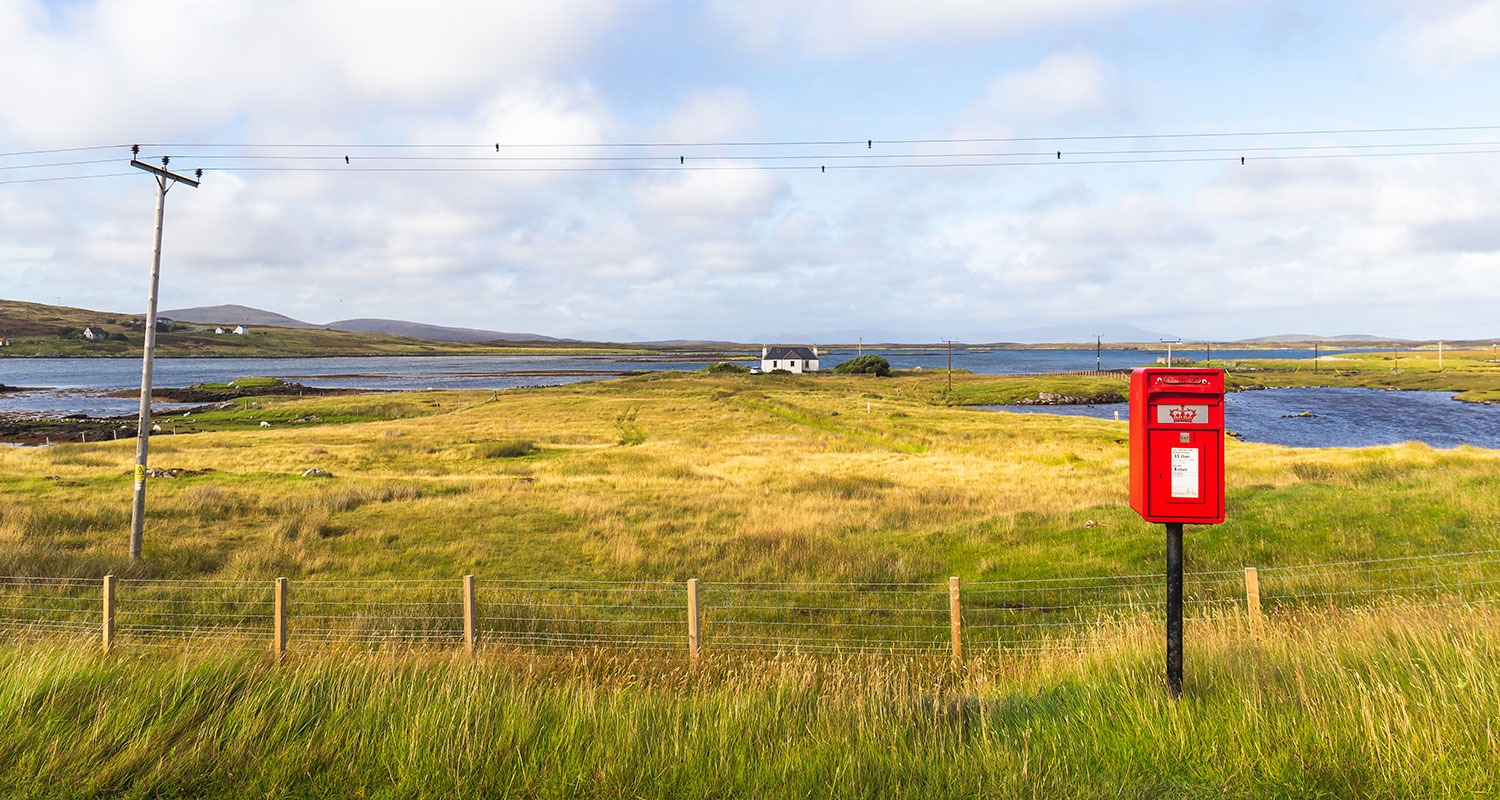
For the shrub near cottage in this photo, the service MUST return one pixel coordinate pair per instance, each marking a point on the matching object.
(867, 364)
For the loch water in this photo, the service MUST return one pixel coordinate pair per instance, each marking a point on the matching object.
(1335, 417)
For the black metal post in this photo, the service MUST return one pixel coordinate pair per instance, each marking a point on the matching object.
(1174, 608)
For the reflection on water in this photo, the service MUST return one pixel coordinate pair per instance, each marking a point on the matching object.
(1338, 417)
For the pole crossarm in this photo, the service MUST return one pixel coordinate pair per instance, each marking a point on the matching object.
(161, 173)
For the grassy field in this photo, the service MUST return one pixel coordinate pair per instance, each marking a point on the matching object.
(1377, 705)
(741, 478)
(676, 475)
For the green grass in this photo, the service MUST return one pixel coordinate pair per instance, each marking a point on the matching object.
(679, 475)
(740, 478)
(1390, 704)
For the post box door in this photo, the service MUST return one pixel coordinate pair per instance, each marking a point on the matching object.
(1185, 479)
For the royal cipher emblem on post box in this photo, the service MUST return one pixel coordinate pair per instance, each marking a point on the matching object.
(1177, 445)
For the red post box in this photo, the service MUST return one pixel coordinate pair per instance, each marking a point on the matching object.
(1177, 445)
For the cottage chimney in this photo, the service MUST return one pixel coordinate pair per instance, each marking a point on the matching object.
(764, 350)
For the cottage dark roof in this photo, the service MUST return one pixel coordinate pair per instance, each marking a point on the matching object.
(781, 353)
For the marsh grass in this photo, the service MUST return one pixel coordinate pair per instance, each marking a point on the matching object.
(1367, 704)
(727, 478)
(509, 448)
(741, 480)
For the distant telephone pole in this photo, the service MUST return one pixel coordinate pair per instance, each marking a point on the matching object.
(1098, 358)
(950, 365)
(164, 181)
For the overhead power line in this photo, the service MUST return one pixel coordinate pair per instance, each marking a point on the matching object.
(853, 142)
(784, 155)
(870, 156)
(709, 165)
(67, 178)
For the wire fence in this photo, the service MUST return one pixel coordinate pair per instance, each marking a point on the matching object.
(762, 618)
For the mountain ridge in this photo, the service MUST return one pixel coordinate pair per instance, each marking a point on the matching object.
(233, 314)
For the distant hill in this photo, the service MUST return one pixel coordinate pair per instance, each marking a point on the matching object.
(244, 315)
(844, 336)
(1291, 338)
(1076, 334)
(234, 315)
(610, 335)
(440, 333)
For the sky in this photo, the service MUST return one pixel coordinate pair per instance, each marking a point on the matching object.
(769, 170)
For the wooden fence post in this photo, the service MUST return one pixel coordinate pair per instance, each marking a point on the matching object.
(469, 629)
(107, 628)
(1252, 598)
(694, 641)
(278, 644)
(955, 620)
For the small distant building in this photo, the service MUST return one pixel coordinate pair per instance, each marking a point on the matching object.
(241, 330)
(796, 360)
(4, 342)
(93, 334)
(218, 330)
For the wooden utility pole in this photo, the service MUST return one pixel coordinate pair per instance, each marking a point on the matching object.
(164, 181)
(950, 366)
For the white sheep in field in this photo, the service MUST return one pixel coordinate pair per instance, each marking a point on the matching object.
(265, 424)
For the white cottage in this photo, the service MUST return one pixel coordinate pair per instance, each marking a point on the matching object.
(93, 334)
(792, 359)
(241, 330)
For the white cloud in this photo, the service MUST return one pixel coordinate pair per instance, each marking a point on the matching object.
(1454, 34)
(724, 193)
(840, 28)
(719, 114)
(1067, 86)
(685, 252)
(147, 69)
